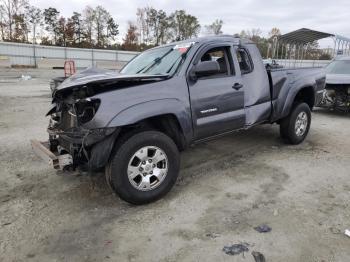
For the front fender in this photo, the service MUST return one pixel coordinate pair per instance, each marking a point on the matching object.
(152, 108)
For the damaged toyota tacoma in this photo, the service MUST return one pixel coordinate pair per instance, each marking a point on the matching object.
(132, 125)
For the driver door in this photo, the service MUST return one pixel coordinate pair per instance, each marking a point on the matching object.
(217, 99)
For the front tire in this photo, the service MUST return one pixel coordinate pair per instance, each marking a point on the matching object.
(295, 127)
(144, 167)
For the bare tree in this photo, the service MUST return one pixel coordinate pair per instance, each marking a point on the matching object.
(274, 32)
(2, 22)
(12, 9)
(34, 17)
(141, 24)
(130, 40)
(88, 21)
(214, 28)
(253, 34)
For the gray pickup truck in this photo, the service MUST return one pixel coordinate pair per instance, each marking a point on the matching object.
(132, 125)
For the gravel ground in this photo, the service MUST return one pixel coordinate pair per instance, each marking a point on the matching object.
(225, 189)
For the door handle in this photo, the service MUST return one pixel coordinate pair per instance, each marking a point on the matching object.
(237, 86)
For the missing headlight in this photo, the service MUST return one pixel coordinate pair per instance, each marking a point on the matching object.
(86, 109)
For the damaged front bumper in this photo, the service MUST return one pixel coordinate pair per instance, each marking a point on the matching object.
(42, 150)
(88, 150)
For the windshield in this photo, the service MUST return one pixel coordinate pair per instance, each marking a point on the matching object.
(160, 61)
(339, 67)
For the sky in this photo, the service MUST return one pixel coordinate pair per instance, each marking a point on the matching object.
(287, 15)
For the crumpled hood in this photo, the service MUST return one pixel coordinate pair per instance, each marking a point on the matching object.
(97, 75)
(337, 79)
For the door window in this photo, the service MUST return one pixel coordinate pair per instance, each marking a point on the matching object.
(218, 54)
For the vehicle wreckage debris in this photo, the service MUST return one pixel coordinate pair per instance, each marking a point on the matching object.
(263, 228)
(236, 249)
(258, 257)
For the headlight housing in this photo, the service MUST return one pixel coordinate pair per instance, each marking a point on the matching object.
(86, 109)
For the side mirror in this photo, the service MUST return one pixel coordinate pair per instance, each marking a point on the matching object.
(205, 68)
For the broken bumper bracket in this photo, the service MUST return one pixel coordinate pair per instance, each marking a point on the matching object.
(41, 149)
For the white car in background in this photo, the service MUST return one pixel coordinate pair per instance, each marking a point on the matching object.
(337, 92)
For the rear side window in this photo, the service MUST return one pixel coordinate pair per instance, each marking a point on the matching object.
(244, 61)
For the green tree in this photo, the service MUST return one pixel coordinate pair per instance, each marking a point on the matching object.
(158, 23)
(101, 18)
(183, 25)
(163, 27)
(61, 32)
(112, 29)
(52, 21)
(77, 24)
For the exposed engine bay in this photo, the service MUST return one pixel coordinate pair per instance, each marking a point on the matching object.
(67, 135)
(336, 97)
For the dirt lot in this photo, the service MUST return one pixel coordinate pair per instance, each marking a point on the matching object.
(226, 188)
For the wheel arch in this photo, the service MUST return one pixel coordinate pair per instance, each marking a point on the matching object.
(170, 108)
(168, 124)
(307, 95)
(304, 94)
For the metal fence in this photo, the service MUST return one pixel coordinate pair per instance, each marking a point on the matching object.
(291, 63)
(51, 56)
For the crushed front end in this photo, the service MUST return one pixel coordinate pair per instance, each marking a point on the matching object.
(80, 136)
(72, 145)
(337, 97)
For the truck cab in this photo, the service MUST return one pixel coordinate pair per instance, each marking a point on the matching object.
(225, 100)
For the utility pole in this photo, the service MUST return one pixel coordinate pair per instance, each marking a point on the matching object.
(34, 51)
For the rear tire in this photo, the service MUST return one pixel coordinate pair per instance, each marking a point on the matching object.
(144, 167)
(295, 127)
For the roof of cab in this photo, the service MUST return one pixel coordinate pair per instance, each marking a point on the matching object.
(224, 38)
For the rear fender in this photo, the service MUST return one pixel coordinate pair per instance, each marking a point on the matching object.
(291, 98)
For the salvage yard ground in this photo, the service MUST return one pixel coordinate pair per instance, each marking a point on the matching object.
(225, 189)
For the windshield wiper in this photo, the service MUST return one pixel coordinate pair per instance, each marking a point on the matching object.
(154, 62)
(182, 57)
